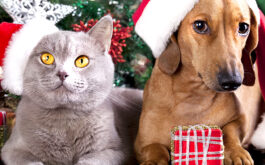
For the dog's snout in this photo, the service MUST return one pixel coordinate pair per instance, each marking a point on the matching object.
(229, 81)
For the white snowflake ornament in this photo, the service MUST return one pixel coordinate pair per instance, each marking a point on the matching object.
(24, 10)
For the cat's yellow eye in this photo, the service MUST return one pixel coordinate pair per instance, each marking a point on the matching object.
(47, 58)
(82, 61)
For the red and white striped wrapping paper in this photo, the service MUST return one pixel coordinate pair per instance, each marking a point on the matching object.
(2, 118)
(197, 145)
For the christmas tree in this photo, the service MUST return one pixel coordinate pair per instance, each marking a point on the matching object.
(261, 4)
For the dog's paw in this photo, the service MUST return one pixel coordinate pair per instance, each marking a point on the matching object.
(237, 156)
(154, 163)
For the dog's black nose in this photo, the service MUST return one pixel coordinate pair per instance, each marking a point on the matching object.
(229, 81)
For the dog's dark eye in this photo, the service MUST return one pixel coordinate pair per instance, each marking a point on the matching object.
(201, 27)
(243, 29)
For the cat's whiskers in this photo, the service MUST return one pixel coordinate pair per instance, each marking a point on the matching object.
(47, 81)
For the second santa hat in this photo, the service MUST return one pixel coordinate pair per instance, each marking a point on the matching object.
(156, 20)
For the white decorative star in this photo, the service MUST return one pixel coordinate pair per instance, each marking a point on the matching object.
(24, 10)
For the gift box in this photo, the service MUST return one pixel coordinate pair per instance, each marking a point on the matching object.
(3, 128)
(7, 121)
(197, 145)
(2, 118)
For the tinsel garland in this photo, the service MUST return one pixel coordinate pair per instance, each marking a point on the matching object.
(120, 34)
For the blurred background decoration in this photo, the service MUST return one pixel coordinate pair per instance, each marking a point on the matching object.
(261, 4)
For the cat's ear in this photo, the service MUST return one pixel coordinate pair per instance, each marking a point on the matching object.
(102, 31)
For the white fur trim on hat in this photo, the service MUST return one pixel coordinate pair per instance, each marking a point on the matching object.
(161, 18)
(18, 51)
(258, 138)
(254, 7)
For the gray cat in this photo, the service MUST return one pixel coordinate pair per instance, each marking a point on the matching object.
(69, 113)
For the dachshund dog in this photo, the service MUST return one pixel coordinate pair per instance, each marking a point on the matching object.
(205, 76)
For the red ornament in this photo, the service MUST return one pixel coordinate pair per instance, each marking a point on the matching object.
(118, 39)
(198, 144)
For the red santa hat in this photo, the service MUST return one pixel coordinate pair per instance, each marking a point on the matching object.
(17, 42)
(156, 20)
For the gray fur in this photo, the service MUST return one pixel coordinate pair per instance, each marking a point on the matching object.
(84, 122)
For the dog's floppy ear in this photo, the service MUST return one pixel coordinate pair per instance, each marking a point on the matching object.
(169, 60)
(251, 44)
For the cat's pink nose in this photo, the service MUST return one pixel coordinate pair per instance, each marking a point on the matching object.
(62, 75)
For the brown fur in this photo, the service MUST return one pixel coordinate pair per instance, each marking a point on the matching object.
(183, 88)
